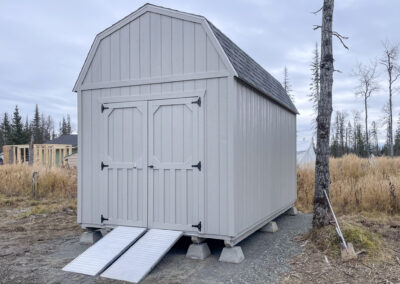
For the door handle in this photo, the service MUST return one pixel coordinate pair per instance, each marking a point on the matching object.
(151, 167)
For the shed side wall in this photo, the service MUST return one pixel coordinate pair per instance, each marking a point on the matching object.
(264, 158)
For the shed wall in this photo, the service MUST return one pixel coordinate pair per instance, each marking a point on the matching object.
(264, 158)
(216, 149)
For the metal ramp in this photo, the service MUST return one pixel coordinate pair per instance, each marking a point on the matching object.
(139, 259)
(104, 252)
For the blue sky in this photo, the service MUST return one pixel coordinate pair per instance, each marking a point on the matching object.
(43, 45)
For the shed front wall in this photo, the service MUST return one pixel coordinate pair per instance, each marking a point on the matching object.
(264, 159)
(134, 61)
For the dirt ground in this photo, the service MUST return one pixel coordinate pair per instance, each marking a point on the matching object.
(316, 266)
(36, 244)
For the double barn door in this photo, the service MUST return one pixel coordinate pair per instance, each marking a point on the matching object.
(151, 168)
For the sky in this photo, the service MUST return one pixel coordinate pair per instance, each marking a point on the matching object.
(43, 45)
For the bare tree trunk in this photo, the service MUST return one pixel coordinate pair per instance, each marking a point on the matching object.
(322, 215)
(390, 116)
(366, 124)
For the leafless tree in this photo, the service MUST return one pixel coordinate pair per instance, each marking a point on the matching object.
(367, 85)
(390, 61)
(286, 84)
(322, 215)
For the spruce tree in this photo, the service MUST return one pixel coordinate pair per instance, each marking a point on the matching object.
(17, 134)
(36, 127)
(68, 125)
(396, 146)
(7, 130)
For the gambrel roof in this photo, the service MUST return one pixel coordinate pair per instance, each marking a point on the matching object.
(250, 72)
(241, 65)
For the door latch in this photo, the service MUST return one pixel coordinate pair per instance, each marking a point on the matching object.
(198, 226)
(103, 219)
(103, 166)
(198, 102)
(103, 108)
(198, 166)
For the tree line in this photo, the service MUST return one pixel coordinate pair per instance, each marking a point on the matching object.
(13, 131)
(354, 133)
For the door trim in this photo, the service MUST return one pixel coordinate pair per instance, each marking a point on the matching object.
(151, 97)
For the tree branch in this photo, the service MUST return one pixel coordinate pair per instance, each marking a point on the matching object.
(341, 38)
(316, 27)
(319, 10)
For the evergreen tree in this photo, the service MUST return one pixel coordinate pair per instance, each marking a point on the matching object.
(63, 127)
(17, 134)
(36, 127)
(361, 149)
(7, 130)
(27, 131)
(396, 147)
(68, 125)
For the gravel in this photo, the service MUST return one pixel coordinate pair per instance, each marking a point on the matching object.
(266, 258)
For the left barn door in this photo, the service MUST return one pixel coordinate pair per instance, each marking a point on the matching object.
(124, 164)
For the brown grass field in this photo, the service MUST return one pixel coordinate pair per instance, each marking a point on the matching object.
(357, 185)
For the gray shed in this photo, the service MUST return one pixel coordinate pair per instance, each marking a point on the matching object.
(180, 129)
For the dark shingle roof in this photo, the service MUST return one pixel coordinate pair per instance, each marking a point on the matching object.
(252, 73)
(71, 139)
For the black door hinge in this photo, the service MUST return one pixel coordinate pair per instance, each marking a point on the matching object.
(103, 166)
(197, 102)
(198, 166)
(103, 108)
(103, 219)
(198, 226)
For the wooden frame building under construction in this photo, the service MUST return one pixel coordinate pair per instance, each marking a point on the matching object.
(42, 154)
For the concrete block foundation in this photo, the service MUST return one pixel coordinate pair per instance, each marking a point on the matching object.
(198, 251)
(292, 211)
(271, 227)
(90, 237)
(232, 255)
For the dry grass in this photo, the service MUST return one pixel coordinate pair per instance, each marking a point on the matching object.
(358, 185)
(53, 183)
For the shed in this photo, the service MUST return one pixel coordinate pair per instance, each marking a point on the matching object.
(180, 129)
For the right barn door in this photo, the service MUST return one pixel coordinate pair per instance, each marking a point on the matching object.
(176, 165)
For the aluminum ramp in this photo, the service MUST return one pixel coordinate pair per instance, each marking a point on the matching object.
(99, 256)
(140, 259)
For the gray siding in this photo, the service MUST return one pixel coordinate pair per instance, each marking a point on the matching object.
(216, 150)
(249, 141)
(264, 159)
(153, 46)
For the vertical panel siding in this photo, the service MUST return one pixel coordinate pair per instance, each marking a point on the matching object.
(265, 151)
(151, 46)
(215, 144)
